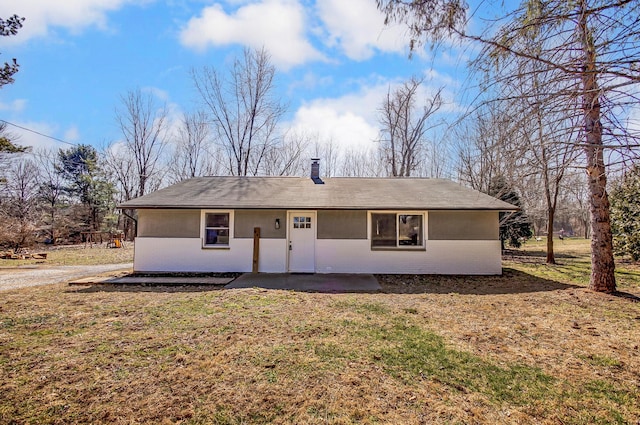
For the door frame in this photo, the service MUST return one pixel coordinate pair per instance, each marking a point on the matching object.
(314, 219)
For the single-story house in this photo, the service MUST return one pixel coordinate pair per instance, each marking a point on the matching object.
(311, 225)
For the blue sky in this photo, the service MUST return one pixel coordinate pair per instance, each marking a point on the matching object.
(334, 58)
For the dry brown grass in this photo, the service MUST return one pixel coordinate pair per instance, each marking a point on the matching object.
(512, 349)
(77, 255)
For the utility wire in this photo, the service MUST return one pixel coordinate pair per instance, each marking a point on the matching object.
(38, 133)
(32, 153)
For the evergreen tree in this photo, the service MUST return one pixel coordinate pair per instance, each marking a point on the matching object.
(87, 182)
(9, 27)
(7, 146)
(592, 46)
(514, 226)
(625, 215)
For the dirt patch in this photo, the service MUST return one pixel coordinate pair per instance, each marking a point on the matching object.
(510, 282)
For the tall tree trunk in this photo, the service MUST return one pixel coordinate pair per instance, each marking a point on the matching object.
(602, 264)
(53, 220)
(585, 224)
(551, 212)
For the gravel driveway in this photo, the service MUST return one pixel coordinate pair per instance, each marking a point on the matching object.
(22, 277)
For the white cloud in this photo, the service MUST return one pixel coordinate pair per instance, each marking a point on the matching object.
(278, 25)
(158, 93)
(32, 138)
(43, 15)
(357, 28)
(345, 129)
(72, 134)
(351, 121)
(310, 80)
(17, 105)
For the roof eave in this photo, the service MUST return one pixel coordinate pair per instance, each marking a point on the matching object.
(312, 207)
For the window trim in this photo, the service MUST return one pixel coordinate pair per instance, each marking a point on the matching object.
(203, 222)
(398, 247)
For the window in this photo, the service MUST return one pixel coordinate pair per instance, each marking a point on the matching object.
(302, 222)
(393, 230)
(383, 232)
(216, 229)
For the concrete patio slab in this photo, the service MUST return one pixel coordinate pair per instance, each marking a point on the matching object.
(334, 282)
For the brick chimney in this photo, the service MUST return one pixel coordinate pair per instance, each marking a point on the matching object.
(315, 171)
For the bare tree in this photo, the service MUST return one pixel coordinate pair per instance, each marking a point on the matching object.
(194, 153)
(362, 163)
(143, 123)
(52, 194)
(243, 109)
(404, 126)
(594, 44)
(578, 201)
(120, 166)
(483, 149)
(436, 162)
(540, 129)
(19, 211)
(286, 157)
(329, 151)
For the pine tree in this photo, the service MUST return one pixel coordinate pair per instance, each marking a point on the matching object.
(625, 215)
(9, 27)
(86, 182)
(593, 47)
(514, 226)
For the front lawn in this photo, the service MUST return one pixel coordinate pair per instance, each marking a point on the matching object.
(531, 346)
(75, 255)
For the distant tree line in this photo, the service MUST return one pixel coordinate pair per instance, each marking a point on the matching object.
(55, 196)
(52, 197)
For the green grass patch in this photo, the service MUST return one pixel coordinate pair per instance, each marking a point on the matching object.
(599, 360)
(573, 263)
(361, 307)
(414, 354)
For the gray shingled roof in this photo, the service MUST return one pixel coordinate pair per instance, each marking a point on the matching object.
(302, 193)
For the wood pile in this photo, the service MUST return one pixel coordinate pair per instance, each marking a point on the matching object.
(10, 255)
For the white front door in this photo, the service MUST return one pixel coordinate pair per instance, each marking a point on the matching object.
(302, 241)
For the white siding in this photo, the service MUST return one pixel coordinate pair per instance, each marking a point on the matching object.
(187, 254)
(440, 257)
(332, 256)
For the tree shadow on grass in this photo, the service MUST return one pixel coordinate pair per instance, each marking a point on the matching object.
(510, 282)
(529, 256)
(626, 296)
(155, 282)
(151, 288)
